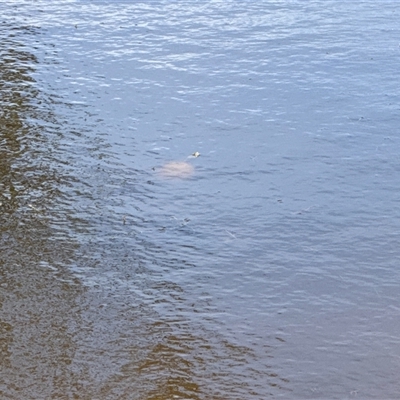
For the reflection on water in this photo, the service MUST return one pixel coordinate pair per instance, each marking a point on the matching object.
(264, 268)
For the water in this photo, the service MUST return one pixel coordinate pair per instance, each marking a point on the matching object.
(270, 271)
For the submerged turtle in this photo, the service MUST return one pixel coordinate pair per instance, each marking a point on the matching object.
(178, 169)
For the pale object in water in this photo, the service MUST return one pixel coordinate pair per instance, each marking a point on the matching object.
(176, 169)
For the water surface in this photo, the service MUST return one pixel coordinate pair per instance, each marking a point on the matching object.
(269, 270)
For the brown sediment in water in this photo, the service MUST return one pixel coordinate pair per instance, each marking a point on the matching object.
(176, 169)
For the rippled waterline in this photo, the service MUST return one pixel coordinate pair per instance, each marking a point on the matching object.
(266, 267)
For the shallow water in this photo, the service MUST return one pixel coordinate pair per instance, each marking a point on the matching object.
(270, 270)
